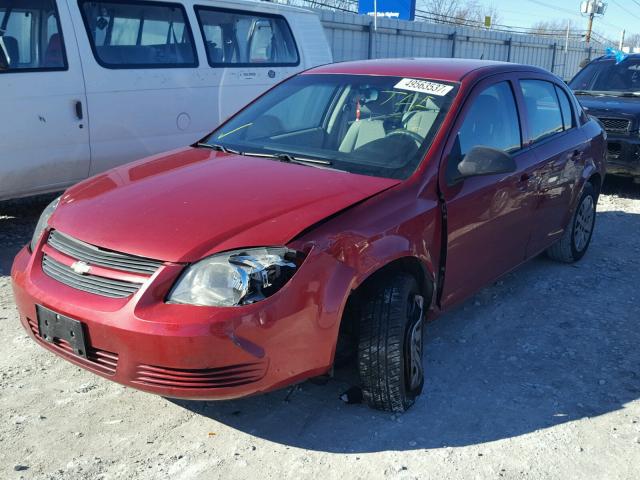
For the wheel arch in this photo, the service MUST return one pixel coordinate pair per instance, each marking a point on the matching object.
(348, 331)
(410, 264)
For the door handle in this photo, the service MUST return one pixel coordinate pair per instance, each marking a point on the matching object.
(79, 112)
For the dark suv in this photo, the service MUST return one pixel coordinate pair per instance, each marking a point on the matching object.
(610, 91)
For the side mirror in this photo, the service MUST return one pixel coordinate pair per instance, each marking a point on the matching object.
(4, 56)
(482, 160)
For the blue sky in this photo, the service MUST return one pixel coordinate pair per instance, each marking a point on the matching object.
(620, 14)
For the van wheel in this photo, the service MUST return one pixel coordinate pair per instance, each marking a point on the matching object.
(391, 343)
(577, 236)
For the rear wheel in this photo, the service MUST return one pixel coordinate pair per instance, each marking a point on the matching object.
(576, 238)
(391, 344)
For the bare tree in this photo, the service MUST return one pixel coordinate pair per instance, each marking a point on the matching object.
(632, 41)
(458, 11)
(555, 26)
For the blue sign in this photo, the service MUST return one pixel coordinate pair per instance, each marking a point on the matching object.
(396, 9)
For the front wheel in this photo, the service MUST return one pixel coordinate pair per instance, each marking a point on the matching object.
(576, 238)
(391, 343)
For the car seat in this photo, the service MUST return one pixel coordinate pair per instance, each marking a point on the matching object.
(53, 55)
(13, 50)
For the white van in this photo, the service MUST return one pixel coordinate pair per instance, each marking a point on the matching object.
(87, 85)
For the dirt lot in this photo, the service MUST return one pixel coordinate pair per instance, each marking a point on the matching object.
(538, 376)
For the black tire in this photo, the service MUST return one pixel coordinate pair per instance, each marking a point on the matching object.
(577, 236)
(391, 371)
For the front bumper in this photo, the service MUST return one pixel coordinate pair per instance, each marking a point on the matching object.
(623, 155)
(192, 352)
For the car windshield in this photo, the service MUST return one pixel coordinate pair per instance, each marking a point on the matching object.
(609, 77)
(371, 125)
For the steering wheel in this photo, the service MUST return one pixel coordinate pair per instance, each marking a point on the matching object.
(407, 133)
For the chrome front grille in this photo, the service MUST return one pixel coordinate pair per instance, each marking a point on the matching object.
(101, 257)
(104, 272)
(616, 125)
(107, 287)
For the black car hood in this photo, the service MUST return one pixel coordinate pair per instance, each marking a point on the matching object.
(612, 107)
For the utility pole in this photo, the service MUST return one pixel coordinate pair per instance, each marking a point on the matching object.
(589, 27)
(621, 40)
(592, 8)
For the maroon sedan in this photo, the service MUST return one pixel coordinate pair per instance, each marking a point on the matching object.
(345, 205)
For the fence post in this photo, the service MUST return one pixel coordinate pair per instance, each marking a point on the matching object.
(453, 37)
(553, 56)
(509, 44)
(589, 54)
(371, 40)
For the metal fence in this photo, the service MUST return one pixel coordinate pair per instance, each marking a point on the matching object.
(353, 37)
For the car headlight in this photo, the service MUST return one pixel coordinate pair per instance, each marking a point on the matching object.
(236, 278)
(43, 222)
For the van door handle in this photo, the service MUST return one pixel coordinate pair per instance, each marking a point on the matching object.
(79, 113)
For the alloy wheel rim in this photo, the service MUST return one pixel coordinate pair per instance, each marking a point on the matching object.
(584, 223)
(415, 343)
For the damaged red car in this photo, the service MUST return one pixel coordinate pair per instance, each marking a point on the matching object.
(340, 209)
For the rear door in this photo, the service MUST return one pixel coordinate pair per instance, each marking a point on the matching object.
(559, 147)
(488, 217)
(44, 144)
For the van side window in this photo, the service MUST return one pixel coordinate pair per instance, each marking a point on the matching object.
(139, 34)
(30, 36)
(491, 121)
(240, 39)
(542, 109)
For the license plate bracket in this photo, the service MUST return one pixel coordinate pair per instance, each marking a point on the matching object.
(55, 327)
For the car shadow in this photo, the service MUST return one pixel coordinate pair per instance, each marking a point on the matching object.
(548, 344)
(621, 187)
(18, 219)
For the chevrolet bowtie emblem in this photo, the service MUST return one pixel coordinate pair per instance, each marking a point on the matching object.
(81, 268)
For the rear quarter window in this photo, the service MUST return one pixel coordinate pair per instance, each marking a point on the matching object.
(139, 34)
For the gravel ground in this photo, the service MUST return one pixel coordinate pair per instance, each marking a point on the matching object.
(535, 377)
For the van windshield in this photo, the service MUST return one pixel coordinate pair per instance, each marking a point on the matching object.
(371, 125)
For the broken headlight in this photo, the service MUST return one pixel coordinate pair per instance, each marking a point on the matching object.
(42, 224)
(236, 278)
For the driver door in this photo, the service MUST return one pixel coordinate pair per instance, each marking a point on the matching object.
(488, 217)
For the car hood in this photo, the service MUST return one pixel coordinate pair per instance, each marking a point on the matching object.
(186, 204)
(616, 107)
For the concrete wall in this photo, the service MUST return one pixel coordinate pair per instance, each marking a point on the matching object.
(352, 37)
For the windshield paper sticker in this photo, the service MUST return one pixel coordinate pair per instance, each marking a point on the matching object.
(423, 86)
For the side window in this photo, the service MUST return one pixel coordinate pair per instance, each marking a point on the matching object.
(565, 108)
(491, 121)
(30, 36)
(234, 38)
(139, 34)
(543, 111)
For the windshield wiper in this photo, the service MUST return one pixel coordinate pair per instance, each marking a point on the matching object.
(216, 147)
(288, 158)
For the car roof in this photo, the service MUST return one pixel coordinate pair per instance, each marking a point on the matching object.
(605, 58)
(447, 69)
